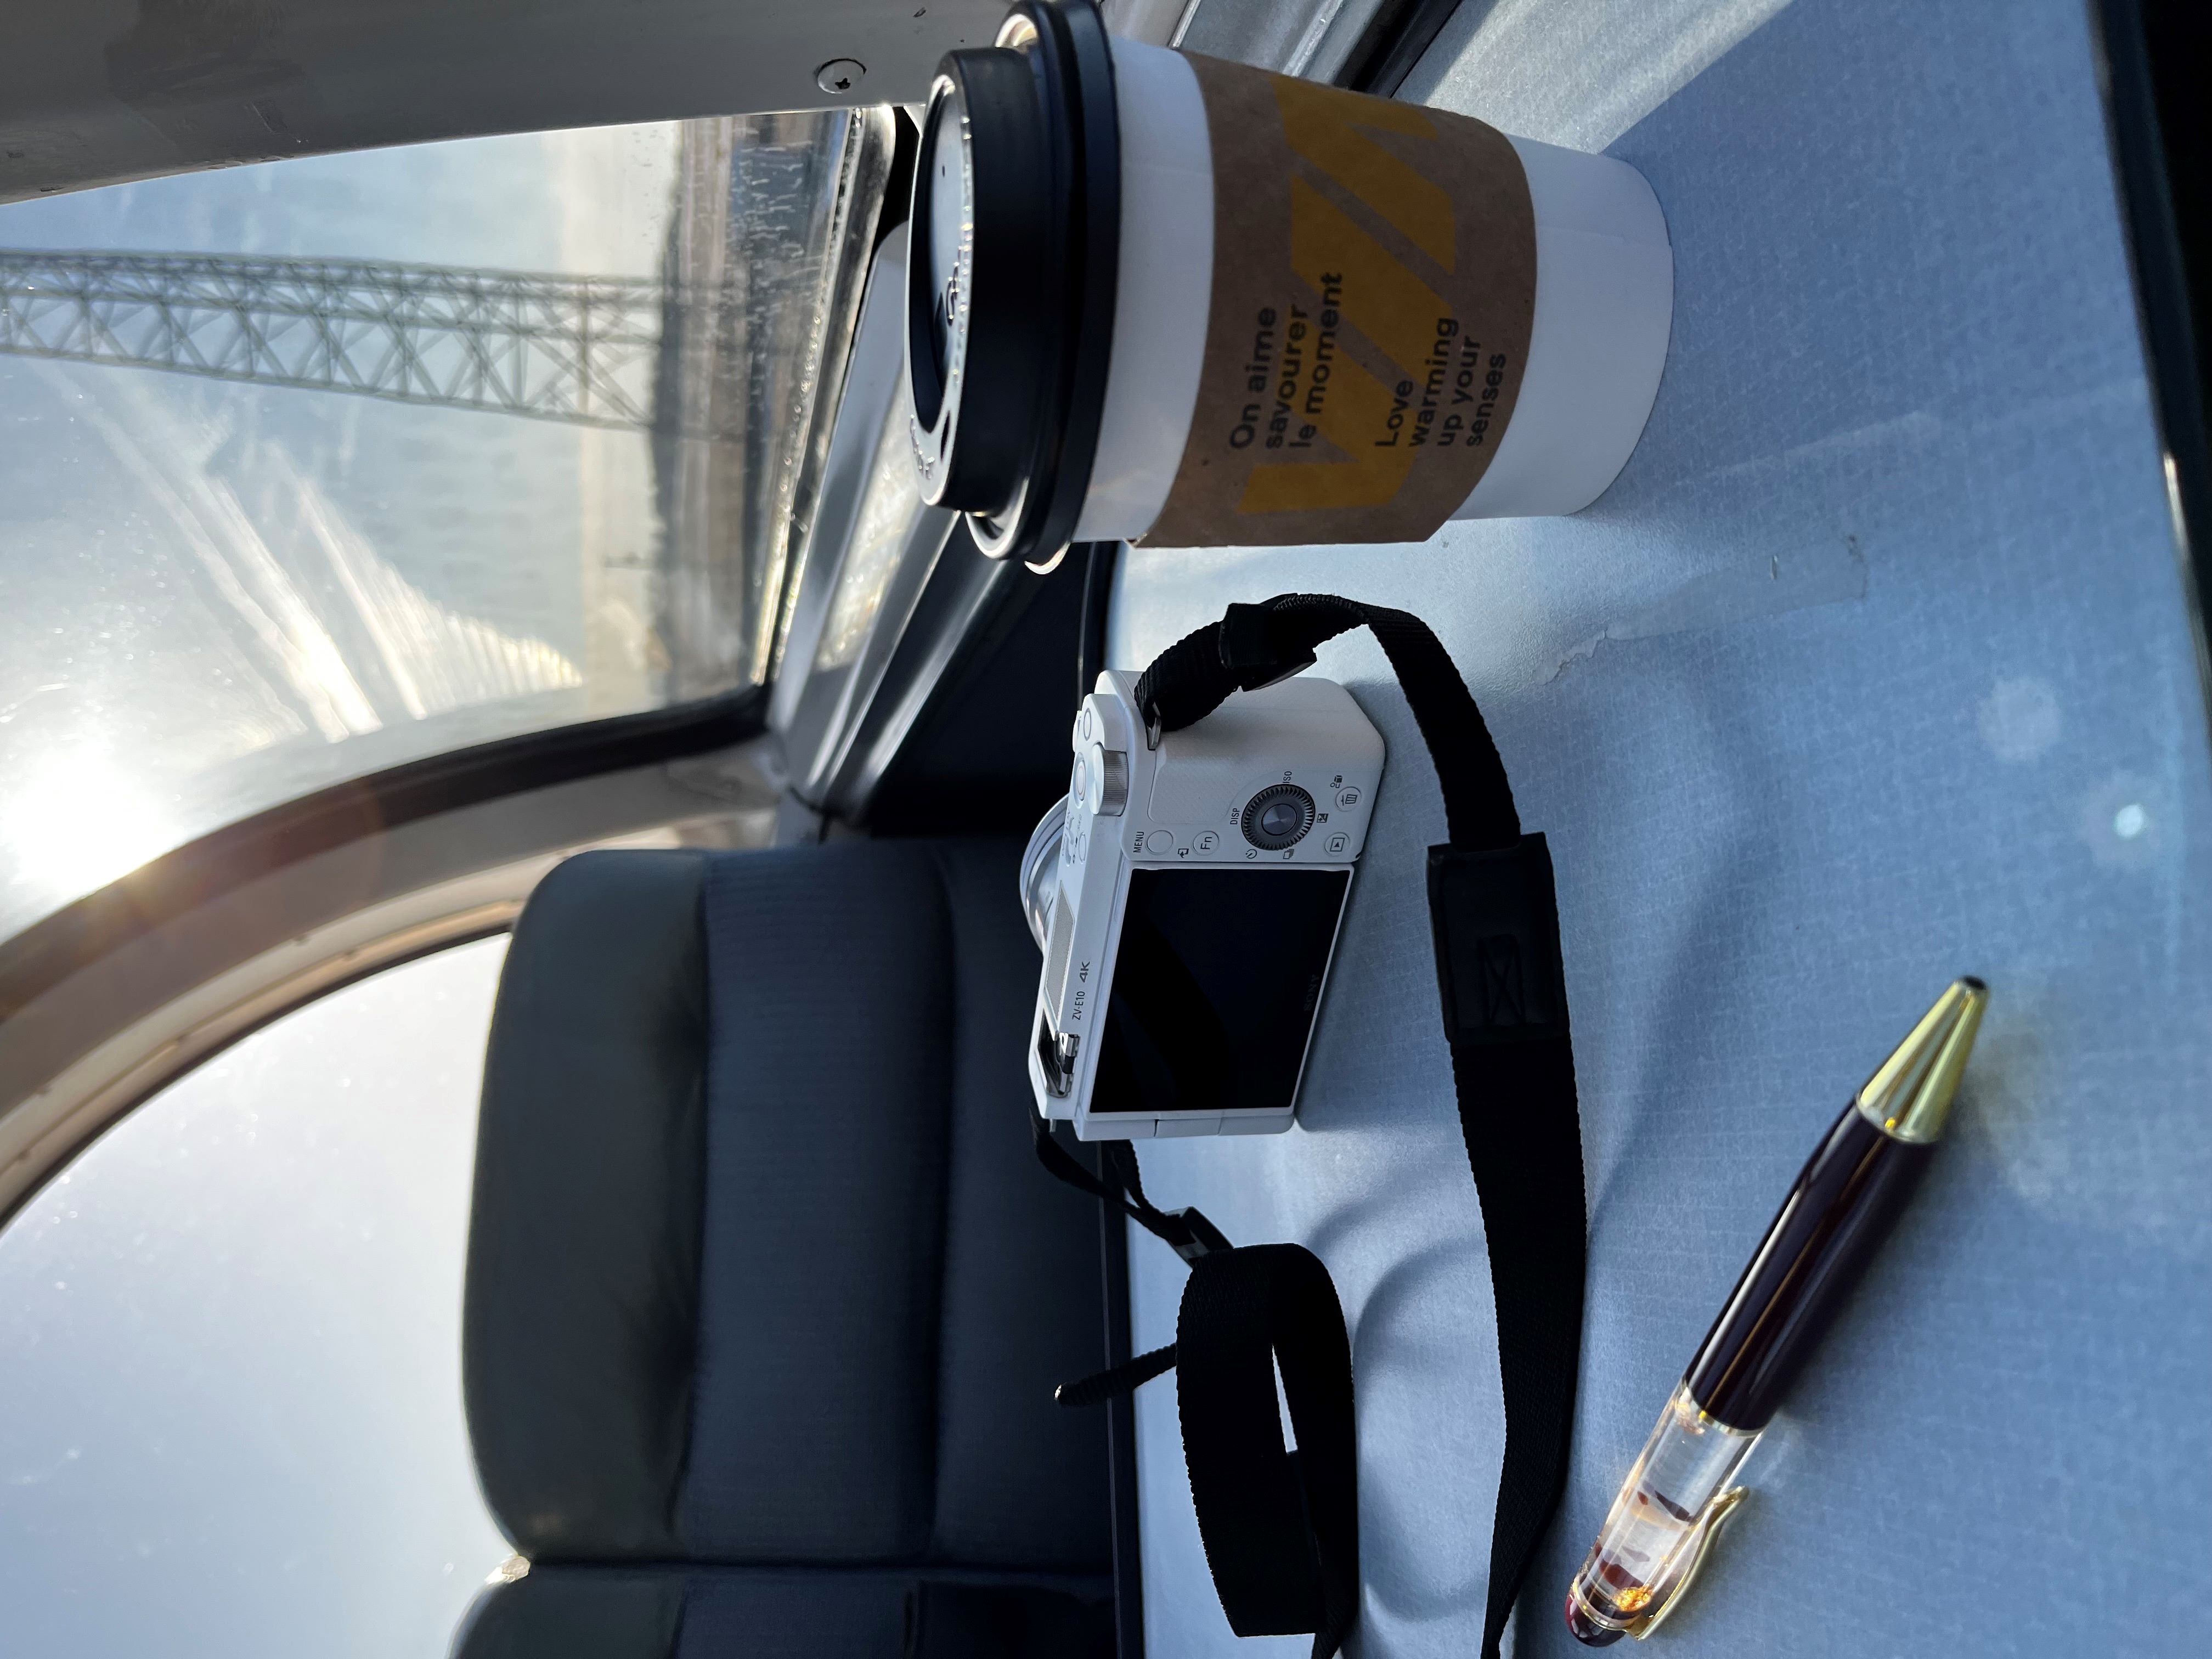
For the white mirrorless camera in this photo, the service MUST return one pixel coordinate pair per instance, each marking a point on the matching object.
(1188, 908)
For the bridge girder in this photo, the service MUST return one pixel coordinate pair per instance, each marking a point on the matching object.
(581, 350)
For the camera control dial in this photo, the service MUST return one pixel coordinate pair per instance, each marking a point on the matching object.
(1278, 817)
(1109, 772)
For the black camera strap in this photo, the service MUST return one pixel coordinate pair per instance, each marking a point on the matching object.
(1280, 1528)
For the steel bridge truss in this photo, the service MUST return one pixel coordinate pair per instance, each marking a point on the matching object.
(582, 350)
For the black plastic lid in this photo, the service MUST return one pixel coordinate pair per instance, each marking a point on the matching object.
(1016, 233)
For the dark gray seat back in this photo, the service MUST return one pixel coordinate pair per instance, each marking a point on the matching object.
(762, 1271)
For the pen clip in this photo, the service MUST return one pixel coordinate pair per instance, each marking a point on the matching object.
(1696, 1548)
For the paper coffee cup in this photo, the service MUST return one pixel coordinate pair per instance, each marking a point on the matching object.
(1165, 298)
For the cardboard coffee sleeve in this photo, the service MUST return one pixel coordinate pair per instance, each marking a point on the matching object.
(1374, 288)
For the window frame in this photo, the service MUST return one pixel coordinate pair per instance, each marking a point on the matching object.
(2152, 55)
(110, 998)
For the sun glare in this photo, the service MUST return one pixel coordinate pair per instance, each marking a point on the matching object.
(75, 822)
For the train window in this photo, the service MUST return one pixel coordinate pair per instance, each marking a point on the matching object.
(317, 467)
(232, 1326)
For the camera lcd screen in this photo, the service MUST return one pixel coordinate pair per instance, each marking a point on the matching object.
(1215, 985)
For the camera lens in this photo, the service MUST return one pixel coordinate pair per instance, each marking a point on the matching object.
(1278, 817)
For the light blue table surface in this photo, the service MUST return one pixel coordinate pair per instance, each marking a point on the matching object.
(1872, 669)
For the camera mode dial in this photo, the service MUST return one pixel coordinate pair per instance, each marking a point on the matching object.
(1278, 817)
(1099, 782)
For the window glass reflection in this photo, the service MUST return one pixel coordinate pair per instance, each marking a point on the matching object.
(317, 467)
(890, 506)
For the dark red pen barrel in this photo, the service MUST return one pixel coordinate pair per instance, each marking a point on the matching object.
(1829, 1228)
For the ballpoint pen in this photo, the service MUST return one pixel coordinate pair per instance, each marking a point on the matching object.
(1847, 1197)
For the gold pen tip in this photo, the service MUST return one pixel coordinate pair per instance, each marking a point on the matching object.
(1909, 1095)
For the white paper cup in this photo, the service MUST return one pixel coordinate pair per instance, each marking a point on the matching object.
(1591, 295)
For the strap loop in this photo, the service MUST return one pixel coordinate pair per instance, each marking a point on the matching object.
(1281, 1527)
(1194, 676)
(1185, 1231)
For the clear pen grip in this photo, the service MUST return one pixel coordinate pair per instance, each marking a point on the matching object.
(1673, 1503)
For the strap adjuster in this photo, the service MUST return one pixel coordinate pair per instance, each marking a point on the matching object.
(1252, 648)
(1201, 1237)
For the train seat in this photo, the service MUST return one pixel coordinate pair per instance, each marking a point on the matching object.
(766, 1295)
